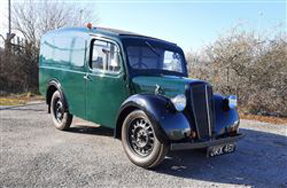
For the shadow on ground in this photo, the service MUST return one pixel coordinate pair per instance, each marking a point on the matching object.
(260, 160)
(101, 131)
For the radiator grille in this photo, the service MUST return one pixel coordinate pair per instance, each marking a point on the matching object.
(202, 108)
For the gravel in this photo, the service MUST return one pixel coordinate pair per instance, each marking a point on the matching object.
(34, 154)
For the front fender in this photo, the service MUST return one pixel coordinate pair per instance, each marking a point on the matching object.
(225, 118)
(169, 125)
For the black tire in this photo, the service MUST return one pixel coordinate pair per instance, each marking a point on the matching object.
(140, 142)
(61, 119)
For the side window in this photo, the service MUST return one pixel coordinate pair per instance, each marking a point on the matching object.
(46, 49)
(78, 47)
(105, 56)
(61, 50)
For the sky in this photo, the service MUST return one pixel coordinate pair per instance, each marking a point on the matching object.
(189, 23)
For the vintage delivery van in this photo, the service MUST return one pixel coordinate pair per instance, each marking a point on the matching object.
(138, 86)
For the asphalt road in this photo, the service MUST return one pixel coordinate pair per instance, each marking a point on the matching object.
(35, 154)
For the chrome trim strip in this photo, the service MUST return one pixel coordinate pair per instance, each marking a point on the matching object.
(207, 109)
(61, 69)
(195, 118)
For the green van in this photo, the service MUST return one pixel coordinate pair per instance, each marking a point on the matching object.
(138, 86)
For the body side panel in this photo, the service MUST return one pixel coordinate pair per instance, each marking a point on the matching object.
(59, 60)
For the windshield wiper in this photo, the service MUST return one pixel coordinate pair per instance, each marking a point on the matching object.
(152, 48)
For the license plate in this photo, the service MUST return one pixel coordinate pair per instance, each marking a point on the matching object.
(220, 150)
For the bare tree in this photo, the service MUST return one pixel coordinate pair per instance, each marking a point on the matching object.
(250, 65)
(33, 18)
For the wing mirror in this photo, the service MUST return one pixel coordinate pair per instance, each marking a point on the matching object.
(106, 51)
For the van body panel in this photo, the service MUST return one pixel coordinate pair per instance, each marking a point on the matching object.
(98, 96)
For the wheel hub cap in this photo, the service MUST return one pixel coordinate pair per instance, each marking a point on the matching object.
(59, 110)
(141, 137)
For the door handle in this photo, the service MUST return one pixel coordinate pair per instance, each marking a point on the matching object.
(87, 77)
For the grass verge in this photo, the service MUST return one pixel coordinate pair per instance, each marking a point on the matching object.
(18, 99)
(267, 119)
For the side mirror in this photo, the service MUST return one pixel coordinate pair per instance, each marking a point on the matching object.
(106, 51)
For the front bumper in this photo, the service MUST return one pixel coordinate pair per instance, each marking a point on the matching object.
(204, 144)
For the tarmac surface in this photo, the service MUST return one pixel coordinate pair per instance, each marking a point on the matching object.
(34, 154)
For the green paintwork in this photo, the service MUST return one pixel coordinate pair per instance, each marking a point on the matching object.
(57, 62)
(105, 94)
(64, 57)
(171, 85)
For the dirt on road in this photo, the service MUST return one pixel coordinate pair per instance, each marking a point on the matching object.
(34, 154)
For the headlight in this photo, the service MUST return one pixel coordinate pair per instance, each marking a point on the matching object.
(232, 101)
(179, 102)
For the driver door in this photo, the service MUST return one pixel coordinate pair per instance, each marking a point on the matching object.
(105, 82)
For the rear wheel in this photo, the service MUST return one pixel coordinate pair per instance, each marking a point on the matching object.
(62, 118)
(140, 142)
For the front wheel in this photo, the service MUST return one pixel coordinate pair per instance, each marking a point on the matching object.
(140, 142)
(62, 118)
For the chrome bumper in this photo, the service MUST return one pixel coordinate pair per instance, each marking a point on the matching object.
(204, 144)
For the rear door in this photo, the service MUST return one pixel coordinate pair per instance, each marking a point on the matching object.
(69, 57)
(105, 82)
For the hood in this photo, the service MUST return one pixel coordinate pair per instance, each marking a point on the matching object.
(169, 86)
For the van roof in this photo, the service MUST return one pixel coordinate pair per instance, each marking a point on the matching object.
(112, 32)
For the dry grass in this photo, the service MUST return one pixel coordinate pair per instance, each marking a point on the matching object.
(268, 119)
(17, 99)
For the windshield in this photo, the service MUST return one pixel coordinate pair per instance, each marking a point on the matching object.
(147, 56)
